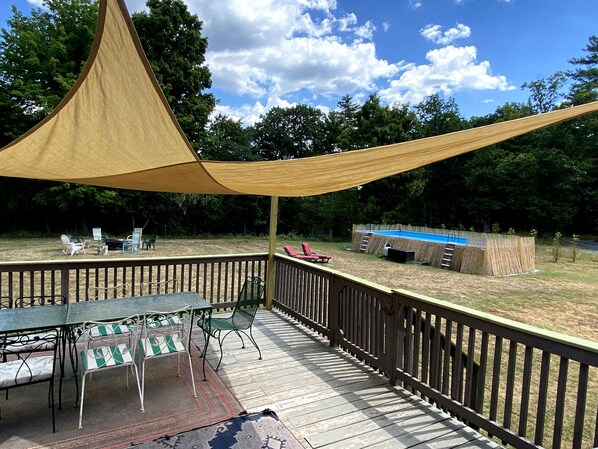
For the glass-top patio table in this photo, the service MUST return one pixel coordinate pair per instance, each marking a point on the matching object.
(32, 318)
(119, 308)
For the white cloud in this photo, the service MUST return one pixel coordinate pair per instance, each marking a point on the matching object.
(451, 69)
(366, 31)
(250, 114)
(415, 4)
(435, 34)
(38, 3)
(282, 47)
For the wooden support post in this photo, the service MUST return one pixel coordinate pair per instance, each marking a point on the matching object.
(271, 278)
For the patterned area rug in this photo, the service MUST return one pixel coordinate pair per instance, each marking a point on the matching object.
(111, 414)
(247, 431)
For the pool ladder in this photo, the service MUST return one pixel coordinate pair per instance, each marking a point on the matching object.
(364, 242)
(449, 249)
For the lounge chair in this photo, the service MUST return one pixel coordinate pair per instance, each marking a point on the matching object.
(292, 253)
(307, 251)
(71, 247)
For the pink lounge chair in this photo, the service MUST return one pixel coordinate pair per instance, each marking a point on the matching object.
(292, 253)
(307, 251)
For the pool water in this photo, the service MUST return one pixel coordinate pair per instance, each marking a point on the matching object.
(435, 238)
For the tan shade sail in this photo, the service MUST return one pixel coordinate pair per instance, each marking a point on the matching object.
(115, 129)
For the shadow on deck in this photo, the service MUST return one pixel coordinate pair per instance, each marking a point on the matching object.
(328, 398)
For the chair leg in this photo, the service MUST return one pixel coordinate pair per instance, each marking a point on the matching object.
(252, 339)
(143, 385)
(81, 404)
(241, 337)
(141, 398)
(192, 377)
(53, 408)
(221, 353)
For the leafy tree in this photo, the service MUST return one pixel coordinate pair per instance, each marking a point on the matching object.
(288, 133)
(41, 57)
(171, 38)
(227, 140)
(444, 179)
(585, 75)
(545, 92)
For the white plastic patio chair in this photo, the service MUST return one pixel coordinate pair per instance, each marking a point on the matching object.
(71, 247)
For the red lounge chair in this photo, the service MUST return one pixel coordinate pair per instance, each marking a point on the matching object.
(308, 252)
(291, 252)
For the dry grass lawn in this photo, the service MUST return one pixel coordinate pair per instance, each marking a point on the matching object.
(561, 296)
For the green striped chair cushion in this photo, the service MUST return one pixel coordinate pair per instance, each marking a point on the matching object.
(110, 329)
(172, 320)
(105, 356)
(161, 345)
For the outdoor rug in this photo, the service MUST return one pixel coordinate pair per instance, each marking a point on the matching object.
(247, 431)
(111, 412)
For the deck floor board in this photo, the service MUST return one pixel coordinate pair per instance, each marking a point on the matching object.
(327, 398)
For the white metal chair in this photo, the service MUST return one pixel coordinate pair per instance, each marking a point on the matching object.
(96, 293)
(163, 334)
(71, 247)
(103, 350)
(159, 287)
(132, 243)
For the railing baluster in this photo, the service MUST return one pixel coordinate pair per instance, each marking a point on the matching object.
(560, 404)
(542, 393)
(510, 387)
(446, 370)
(525, 391)
(469, 374)
(580, 406)
(496, 369)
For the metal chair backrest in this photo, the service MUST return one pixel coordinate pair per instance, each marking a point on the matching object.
(110, 292)
(159, 287)
(39, 300)
(248, 302)
(5, 302)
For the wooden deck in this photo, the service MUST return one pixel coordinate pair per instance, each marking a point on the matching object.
(327, 398)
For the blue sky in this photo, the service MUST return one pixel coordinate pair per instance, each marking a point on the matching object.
(265, 53)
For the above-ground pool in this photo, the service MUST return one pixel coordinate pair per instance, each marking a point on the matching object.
(435, 238)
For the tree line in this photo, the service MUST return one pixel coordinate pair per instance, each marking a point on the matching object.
(546, 180)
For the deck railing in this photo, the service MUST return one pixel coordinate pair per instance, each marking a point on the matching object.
(524, 386)
(217, 278)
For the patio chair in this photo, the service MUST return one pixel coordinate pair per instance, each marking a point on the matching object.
(96, 293)
(163, 334)
(132, 243)
(5, 302)
(104, 350)
(70, 246)
(159, 287)
(40, 335)
(150, 242)
(307, 251)
(292, 253)
(241, 320)
(23, 363)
